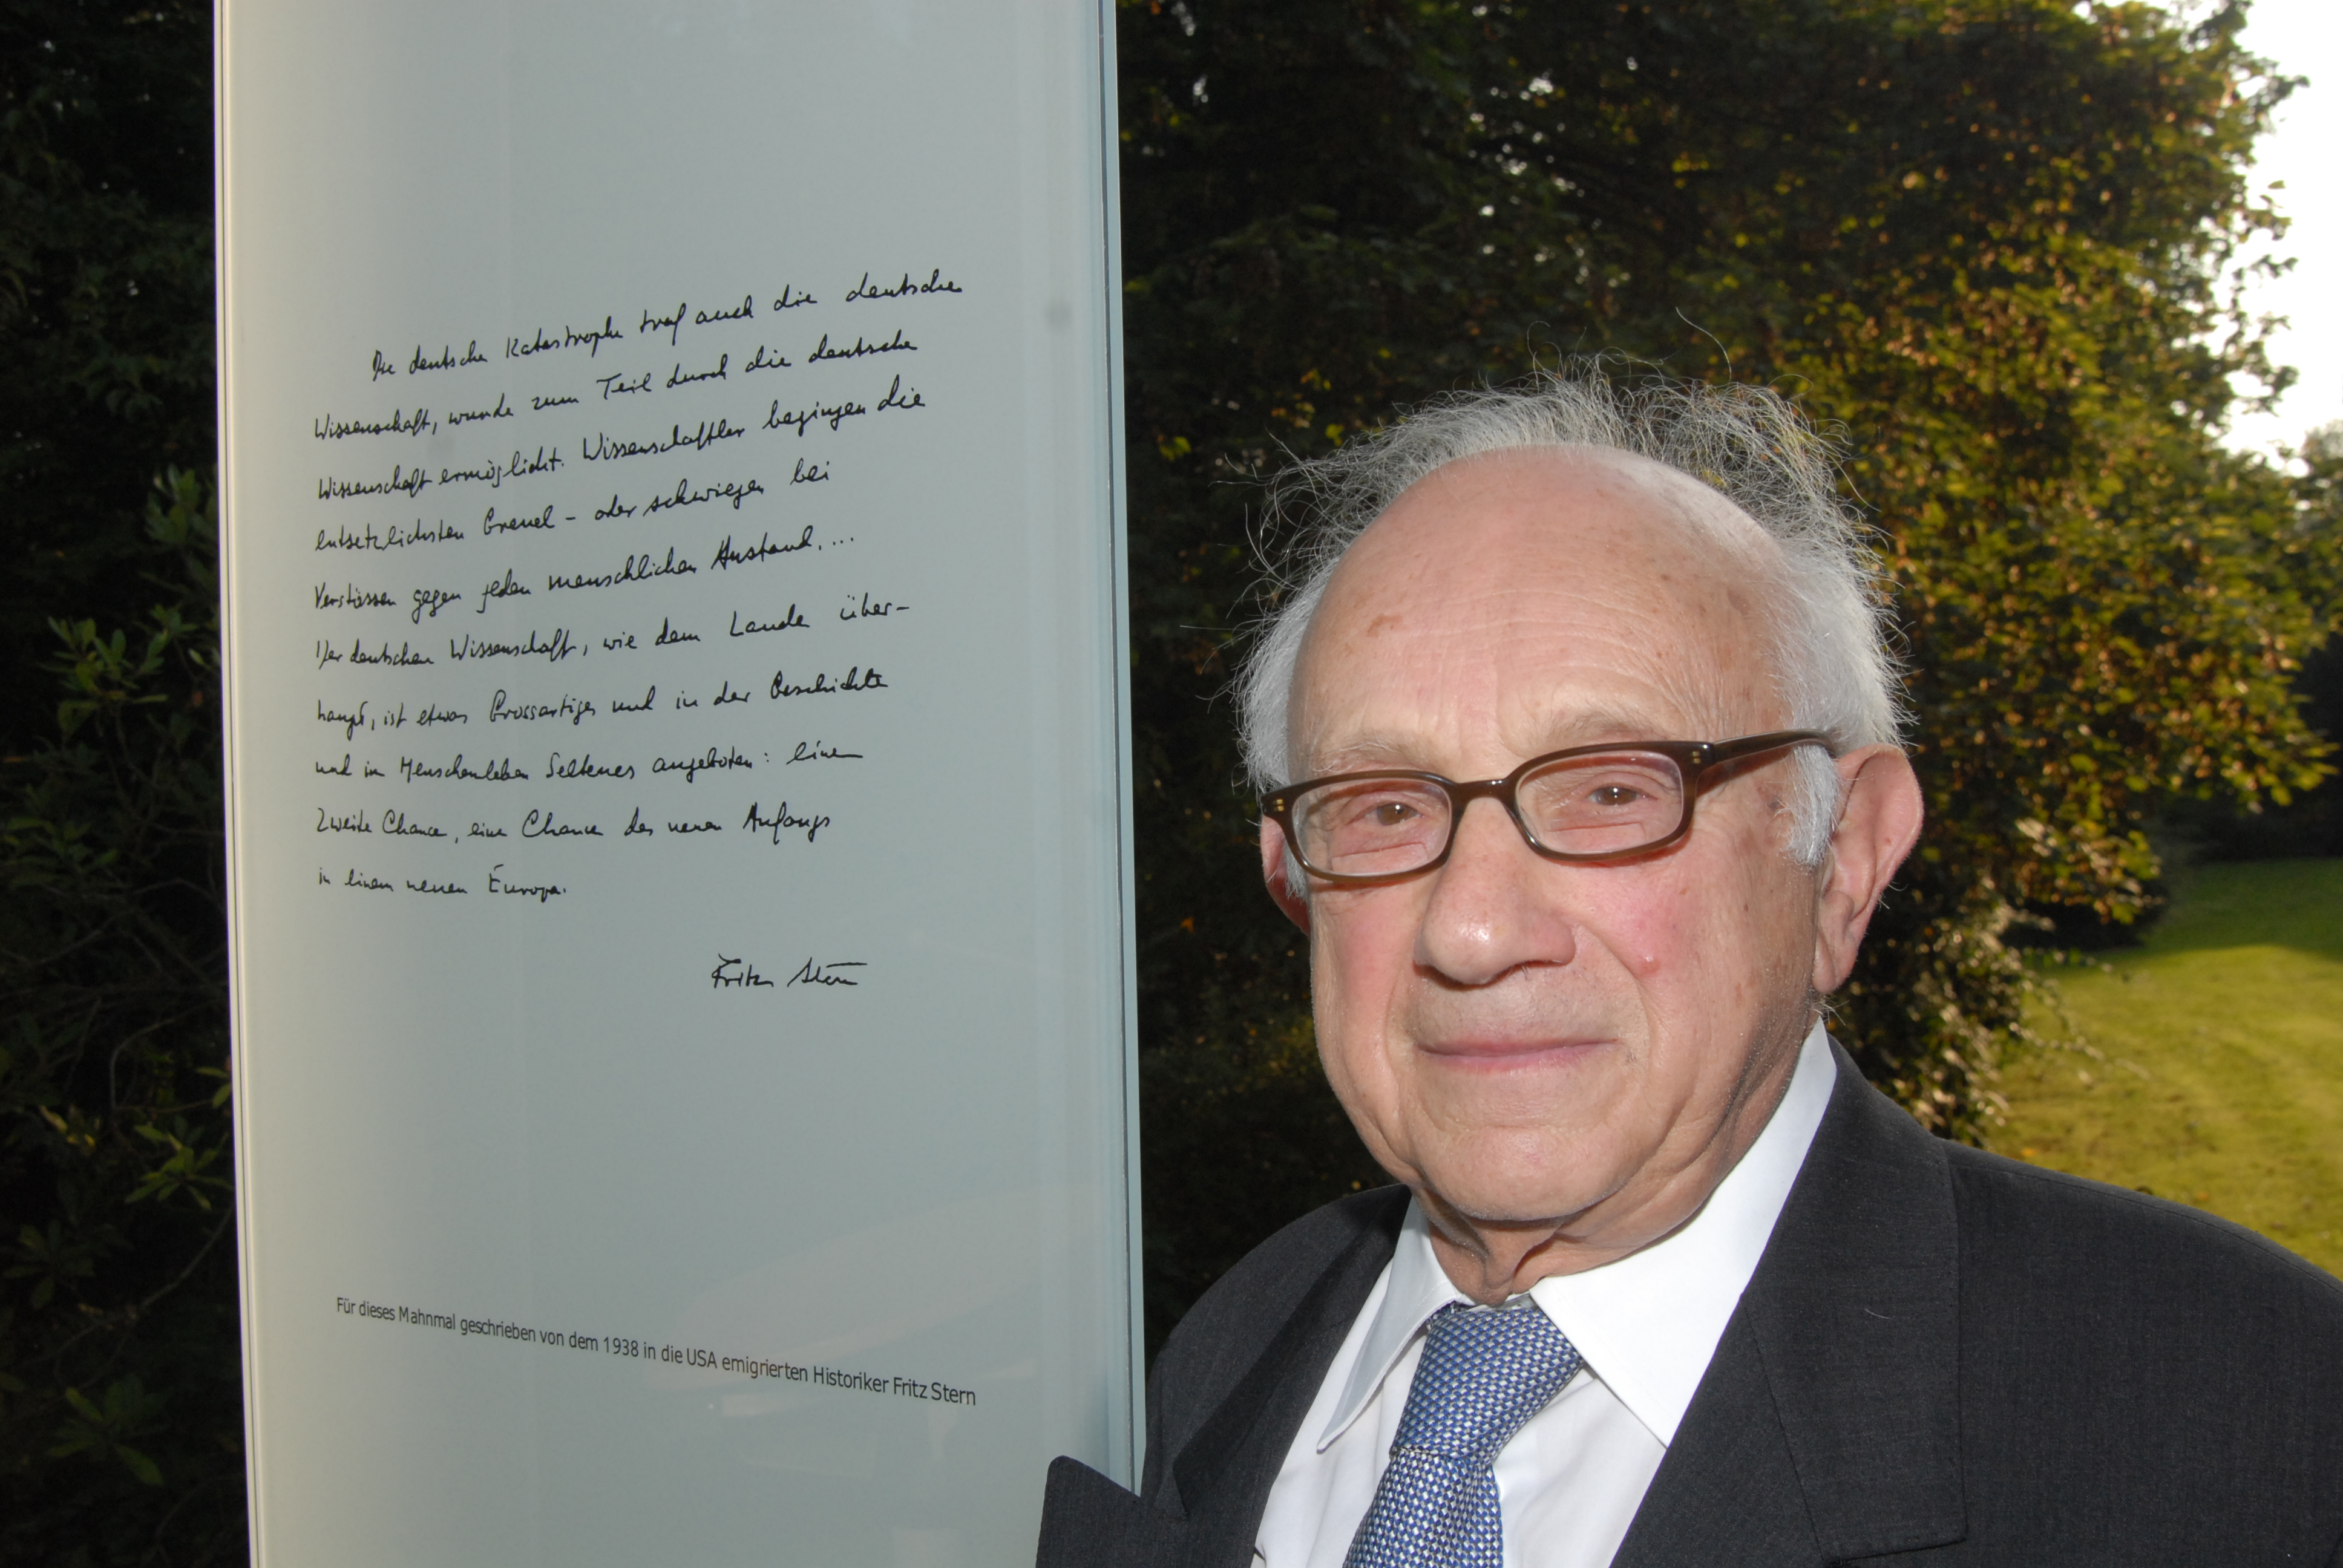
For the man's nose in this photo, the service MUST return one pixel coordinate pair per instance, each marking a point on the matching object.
(1496, 906)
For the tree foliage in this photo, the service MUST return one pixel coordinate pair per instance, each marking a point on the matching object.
(105, 305)
(122, 1431)
(1989, 243)
(2312, 823)
(120, 1425)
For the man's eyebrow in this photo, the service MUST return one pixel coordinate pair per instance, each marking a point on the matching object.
(1589, 725)
(1361, 752)
(1595, 723)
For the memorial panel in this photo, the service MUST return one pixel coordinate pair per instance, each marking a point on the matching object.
(678, 823)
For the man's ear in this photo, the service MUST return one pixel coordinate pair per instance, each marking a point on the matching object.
(1878, 822)
(1273, 871)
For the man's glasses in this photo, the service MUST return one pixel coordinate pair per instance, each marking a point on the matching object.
(1588, 803)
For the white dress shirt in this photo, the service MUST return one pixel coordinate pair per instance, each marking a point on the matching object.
(1571, 1480)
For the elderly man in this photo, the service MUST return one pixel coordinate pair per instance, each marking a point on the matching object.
(1579, 747)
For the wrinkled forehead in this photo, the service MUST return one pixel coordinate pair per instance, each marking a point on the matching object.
(1539, 590)
(1560, 496)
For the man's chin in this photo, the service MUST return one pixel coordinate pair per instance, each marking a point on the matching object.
(1513, 1187)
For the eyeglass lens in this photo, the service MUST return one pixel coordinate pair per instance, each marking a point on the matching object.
(1606, 804)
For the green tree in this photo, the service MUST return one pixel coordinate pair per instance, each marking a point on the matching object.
(120, 1413)
(120, 1426)
(105, 305)
(1987, 242)
(2310, 824)
(120, 1435)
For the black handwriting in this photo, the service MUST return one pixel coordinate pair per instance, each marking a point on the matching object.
(539, 891)
(856, 679)
(736, 972)
(789, 617)
(593, 337)
(937, 283)
(812, 973)
(783, 820)
(764, 550)
(691, 768)
(397, 538)
(326, 428)
(552, 651)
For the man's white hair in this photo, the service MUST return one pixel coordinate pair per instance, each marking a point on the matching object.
(1829, 618)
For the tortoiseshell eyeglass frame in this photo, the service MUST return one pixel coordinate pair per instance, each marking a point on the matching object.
(1695, 762)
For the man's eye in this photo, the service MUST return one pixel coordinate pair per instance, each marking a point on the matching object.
(1393, 814)
(1616, 795)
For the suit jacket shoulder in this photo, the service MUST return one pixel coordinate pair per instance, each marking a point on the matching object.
(2141, 1380)
(1947, 1355)
(2022, 1223)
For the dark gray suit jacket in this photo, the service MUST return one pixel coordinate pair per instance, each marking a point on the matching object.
(1944, 1357)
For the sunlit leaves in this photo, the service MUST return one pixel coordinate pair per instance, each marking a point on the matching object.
(1996, 244)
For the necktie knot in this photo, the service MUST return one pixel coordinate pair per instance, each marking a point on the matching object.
(1483, 1375)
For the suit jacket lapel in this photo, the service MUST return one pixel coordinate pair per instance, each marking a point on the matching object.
(1205, 1507)
(1728, 1491)
(1222, 1477)
(1828, 1425)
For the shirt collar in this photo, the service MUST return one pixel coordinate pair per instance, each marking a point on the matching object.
(1647, 1324)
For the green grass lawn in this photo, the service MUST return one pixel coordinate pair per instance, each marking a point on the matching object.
(2206, 1066)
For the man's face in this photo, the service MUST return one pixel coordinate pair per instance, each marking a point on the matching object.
(1522, 1039)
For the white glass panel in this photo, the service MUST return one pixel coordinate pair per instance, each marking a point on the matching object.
(677, 830)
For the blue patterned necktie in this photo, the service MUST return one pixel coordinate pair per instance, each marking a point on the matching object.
(1483, 1375)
